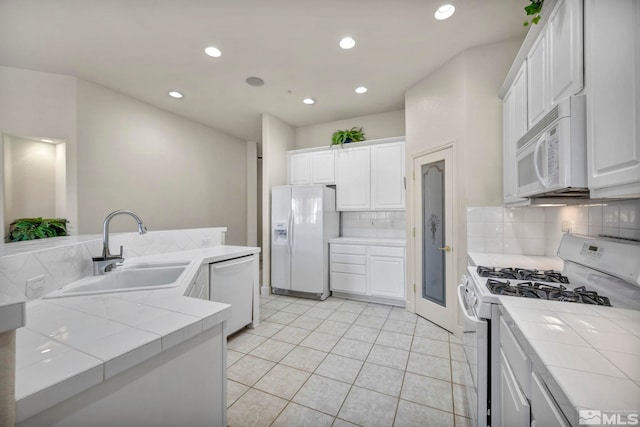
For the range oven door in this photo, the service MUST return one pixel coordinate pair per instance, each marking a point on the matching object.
(476, 348)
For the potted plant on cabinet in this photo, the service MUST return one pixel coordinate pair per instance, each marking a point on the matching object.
(339, 137)
(36, 228)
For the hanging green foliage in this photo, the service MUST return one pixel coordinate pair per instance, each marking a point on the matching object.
(534, 10)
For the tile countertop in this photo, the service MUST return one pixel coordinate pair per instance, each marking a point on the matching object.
(369, 241)
(509, 260)
(588, 356)
(71, 344)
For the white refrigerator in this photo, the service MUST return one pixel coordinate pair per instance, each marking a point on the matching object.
(303, 219)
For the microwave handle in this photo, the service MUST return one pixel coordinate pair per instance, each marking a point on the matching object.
(536, 154)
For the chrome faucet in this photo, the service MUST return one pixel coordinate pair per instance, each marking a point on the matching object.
(107, 261)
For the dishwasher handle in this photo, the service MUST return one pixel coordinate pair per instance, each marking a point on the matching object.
(224, 265)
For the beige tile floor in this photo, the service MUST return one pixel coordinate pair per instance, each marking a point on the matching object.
(343, 363)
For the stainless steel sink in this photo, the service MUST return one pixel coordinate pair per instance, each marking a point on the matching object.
(136, 277)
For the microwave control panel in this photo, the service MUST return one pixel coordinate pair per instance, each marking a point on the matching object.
(553, 158)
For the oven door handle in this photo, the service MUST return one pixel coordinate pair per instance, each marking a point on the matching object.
(465, 310)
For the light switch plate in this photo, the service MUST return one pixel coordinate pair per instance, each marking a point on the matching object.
(34, 287)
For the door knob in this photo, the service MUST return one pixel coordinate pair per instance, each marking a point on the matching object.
(446, 248)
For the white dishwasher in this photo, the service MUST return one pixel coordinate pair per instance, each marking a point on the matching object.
(231, 282)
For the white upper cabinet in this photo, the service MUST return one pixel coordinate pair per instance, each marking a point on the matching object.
(323, 169)
(514, 126)
(565, 43)
(353, 179)
(387, 176)
(370, 177)
(538, 86)
(612, 54)
(299, 168)
(316, 167)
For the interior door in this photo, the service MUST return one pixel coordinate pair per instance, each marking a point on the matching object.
(433, 212)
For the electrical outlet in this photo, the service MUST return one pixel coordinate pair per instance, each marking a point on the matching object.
(34, 287)
(205, 242)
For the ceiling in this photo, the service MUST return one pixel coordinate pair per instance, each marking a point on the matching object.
(145, 48)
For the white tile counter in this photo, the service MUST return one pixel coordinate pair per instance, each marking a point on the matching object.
(511, 260)
(588, 356)
(72, 344)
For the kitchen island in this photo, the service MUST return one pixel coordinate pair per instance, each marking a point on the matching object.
(154, 357)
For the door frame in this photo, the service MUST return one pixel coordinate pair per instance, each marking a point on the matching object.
(412, 224)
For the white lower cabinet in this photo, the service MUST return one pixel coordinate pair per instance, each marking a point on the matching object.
(524, 397)
(371, 272)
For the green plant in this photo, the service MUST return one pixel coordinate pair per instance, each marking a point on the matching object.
(534, 9)
(339, 137)
(36, 228)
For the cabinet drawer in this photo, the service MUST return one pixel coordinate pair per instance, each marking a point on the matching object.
(348, 249)
(348, 268)
(355, 283)
(349, 259)
(386, 251)
(544, 409)
(520, 363)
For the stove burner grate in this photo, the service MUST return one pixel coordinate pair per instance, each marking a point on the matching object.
(546, 291)
(522, 274)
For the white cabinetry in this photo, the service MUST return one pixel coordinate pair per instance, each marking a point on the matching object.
(368, 271)
(515, 380)
(353, 179)
(371, 177)
(514, 122)
(317, 167)
(537, 80)
(323, 167)
(612, 51)
(565, 43)
(387, 176)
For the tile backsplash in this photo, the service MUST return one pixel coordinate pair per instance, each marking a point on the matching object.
(63, 260)
(389, 224)
(538, 230)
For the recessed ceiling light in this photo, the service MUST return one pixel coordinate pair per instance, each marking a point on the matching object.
(347, 43)
(46, 140)
(309, 101)
(444, 12)
(213, 52)
(361, 89)
(175, 94)
(254, 81)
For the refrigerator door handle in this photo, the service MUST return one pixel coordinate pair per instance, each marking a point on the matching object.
(289, 231)
(291, 225)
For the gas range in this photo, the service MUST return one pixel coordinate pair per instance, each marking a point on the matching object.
(546, 285)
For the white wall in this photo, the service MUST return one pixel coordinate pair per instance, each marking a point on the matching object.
(42, 105)
(277, 138)
(173, 172)
(375, 126)
(29, 179)
(459, 104)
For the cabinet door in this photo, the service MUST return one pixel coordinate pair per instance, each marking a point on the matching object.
(386, 276)
(515, 409)
(565, 50)
(323, 167)
(353, 179)
(519, 92)
(537, 86)
(612, 55)
(299, 168)
(509, 149)
(387, 176)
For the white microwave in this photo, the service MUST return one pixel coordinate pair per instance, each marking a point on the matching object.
(552, 156)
